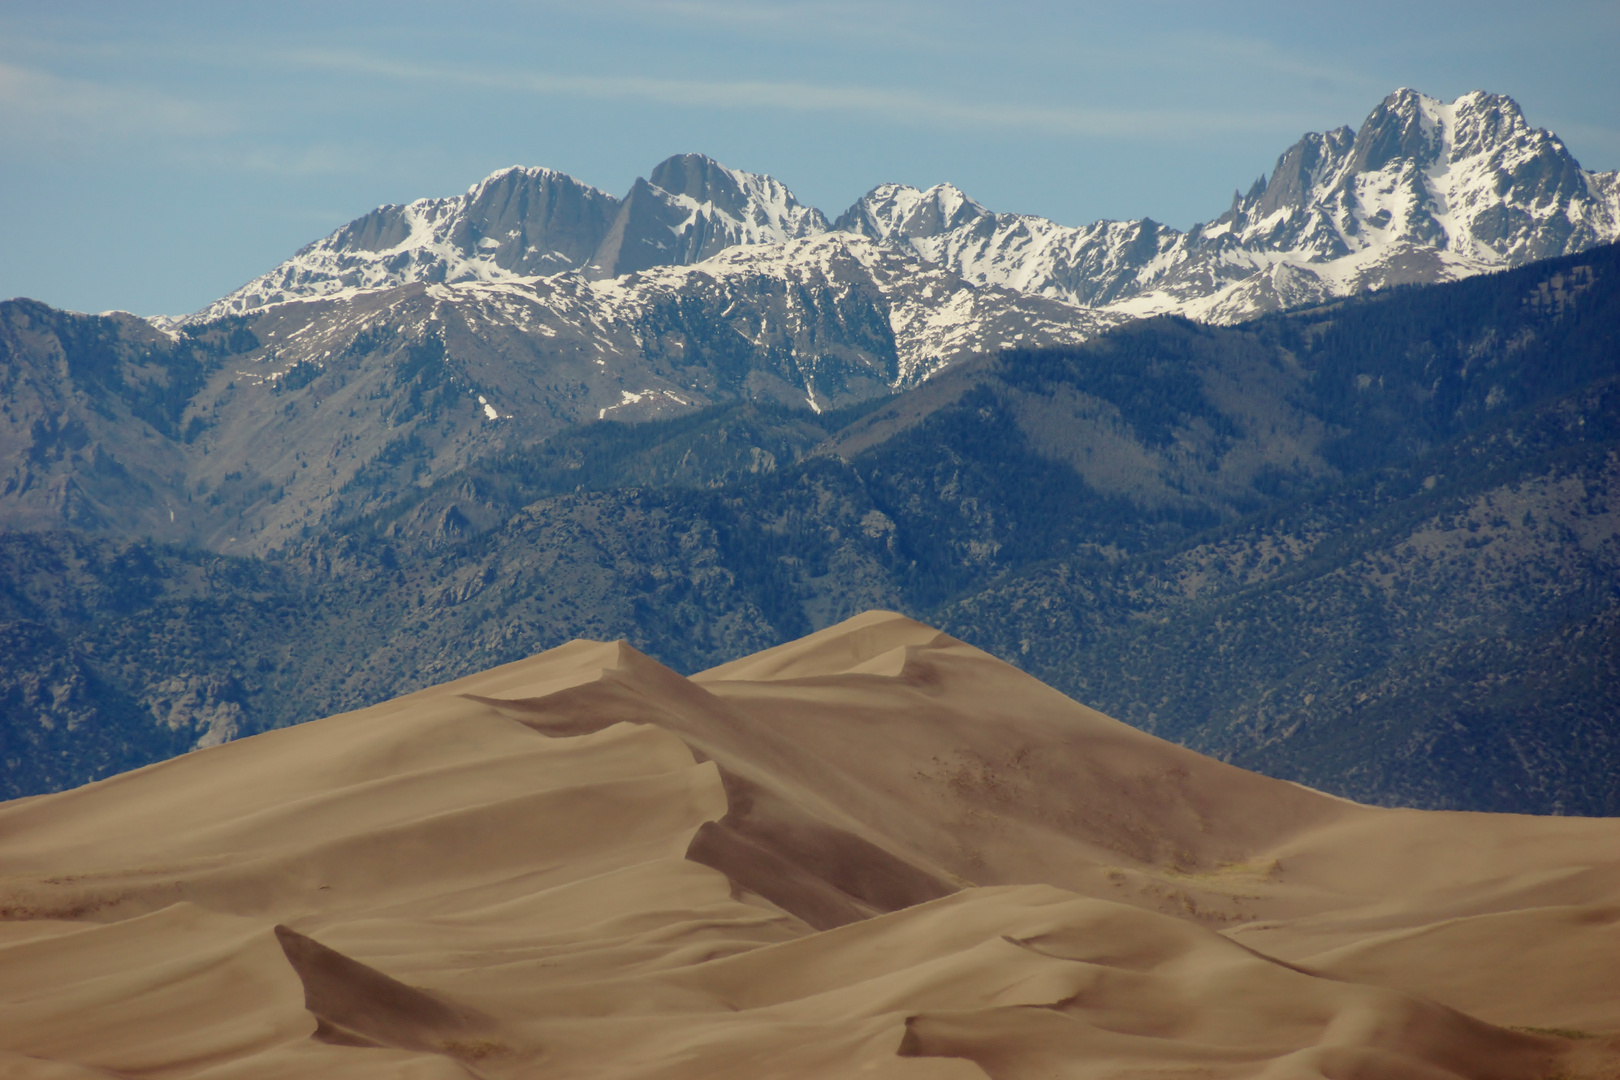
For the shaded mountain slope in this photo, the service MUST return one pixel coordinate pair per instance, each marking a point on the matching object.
(259, 428)
(1447, 638)
(1347, 543)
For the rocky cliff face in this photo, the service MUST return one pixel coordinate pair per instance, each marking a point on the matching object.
(1424, 191)
(515, 223)
(244, 433)
(520, 223)
(693, 208)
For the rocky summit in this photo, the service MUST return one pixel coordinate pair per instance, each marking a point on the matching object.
(1424, 191)
(524, 222)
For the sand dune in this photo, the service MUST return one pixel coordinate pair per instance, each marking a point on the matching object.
(873, 852)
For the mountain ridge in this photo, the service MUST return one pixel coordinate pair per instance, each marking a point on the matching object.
(1423, 191)
(521, 222)
(1342, 212)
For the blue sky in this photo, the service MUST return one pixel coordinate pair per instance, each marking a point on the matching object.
(156, 155)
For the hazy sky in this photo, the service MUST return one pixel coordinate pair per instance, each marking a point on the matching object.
(155, 155)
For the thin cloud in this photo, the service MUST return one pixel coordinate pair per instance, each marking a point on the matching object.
(58, 117)
(1218, 51)
(41, 105)
(290, 162)
(853, 21)
(895, 105)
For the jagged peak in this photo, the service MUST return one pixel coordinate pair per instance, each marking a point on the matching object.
(1418, 173)
(944, 191)
(1486, 99)
(742, 194)
(696, 176)
(1481, 121)
(528, 172)
(1406, 97)
(1405, 125)
(889, 188)
(947, 194)
(1483, 118)
(900, 210)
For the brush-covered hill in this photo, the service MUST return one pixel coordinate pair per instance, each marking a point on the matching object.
(1370, 545)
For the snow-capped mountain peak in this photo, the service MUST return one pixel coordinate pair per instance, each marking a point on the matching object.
(1469, 178)
(900, 212)
(692, 208)
(1423, 190)
(761, 207)
(517, 222)
(523, 222)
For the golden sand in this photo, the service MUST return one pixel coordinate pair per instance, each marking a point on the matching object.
(875, 852)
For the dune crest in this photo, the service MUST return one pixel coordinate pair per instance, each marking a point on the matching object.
(876, 852)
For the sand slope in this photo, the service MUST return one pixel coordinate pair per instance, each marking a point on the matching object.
(873, 852)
